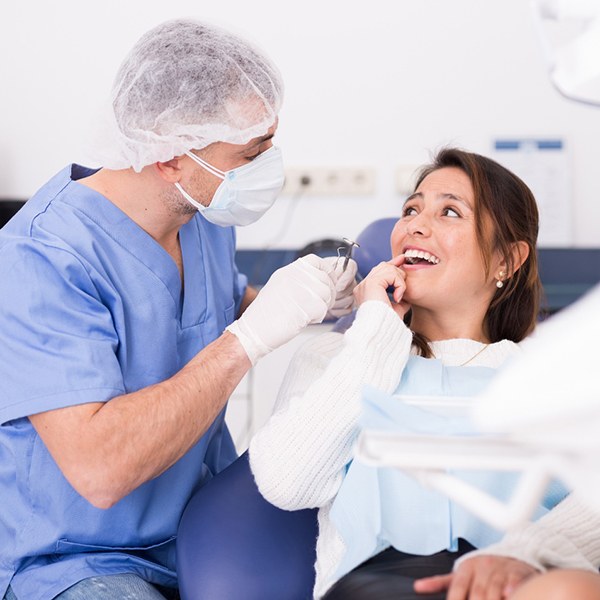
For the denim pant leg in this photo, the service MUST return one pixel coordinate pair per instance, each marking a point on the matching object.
(126, 586)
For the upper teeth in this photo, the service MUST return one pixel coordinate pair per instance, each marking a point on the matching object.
(421, 254)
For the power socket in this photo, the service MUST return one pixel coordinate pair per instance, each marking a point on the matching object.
(329, 181)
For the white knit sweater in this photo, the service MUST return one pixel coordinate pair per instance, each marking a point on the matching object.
(299, 457)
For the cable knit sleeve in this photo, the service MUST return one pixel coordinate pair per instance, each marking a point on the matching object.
(299, 457)
(566, 537)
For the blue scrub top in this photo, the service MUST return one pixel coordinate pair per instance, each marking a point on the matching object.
(92, 308)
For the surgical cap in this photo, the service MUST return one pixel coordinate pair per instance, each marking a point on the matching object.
(186, 85)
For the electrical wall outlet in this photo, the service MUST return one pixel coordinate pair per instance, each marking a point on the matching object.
(406, 176)
(329, 181)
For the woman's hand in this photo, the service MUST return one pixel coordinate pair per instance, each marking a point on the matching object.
(383, 276)
(479, 578)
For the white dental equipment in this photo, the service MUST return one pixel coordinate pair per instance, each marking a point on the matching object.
(569, 31)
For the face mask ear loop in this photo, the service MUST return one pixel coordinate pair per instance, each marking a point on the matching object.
(213, 170)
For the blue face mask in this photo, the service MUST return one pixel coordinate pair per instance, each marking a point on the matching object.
(245, 193)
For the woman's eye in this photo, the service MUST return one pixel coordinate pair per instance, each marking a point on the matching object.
(450, 212)
(409, 211)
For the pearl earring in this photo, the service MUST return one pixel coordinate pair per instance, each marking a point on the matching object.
(500, 283)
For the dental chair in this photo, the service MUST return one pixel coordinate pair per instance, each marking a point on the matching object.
(234, 544)
(374, 245)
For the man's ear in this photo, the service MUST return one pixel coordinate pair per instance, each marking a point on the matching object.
(170, 170)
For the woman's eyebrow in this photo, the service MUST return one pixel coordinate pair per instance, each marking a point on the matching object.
(449, 196)
(413, 196)
(442, 196)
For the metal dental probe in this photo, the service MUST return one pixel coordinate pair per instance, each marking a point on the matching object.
(350, 246)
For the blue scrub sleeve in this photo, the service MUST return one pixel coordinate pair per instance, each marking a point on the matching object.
(58, 341)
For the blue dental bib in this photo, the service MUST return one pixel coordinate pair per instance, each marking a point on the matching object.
(380, 507)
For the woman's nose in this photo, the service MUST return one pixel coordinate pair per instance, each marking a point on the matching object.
(419, 225)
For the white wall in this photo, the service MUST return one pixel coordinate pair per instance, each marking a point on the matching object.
(379, 83)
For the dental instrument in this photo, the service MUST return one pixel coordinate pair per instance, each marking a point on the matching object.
(350, 245)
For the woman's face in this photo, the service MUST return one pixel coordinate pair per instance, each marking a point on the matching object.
(437, 234)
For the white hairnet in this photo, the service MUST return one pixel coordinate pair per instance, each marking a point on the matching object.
(186, 85)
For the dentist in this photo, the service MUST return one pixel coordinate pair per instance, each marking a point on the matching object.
(119, 346)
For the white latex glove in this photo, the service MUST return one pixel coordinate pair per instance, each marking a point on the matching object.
(294, 296)
(344, 286)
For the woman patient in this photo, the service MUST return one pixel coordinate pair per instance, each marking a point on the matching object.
(465, 292)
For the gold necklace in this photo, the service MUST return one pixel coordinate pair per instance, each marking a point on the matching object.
(474, 356)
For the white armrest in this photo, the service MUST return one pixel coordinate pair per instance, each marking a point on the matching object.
(427, 457)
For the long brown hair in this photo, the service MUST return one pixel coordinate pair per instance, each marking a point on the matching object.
(504, 201)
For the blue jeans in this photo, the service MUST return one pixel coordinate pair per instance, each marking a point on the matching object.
(126, 586)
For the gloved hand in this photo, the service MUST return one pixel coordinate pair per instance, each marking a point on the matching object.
(295, 296)
(344, 286)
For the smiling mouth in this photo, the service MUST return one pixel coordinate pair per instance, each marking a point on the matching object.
(420, 257)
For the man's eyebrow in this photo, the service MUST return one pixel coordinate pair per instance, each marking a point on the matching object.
(258, 142)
